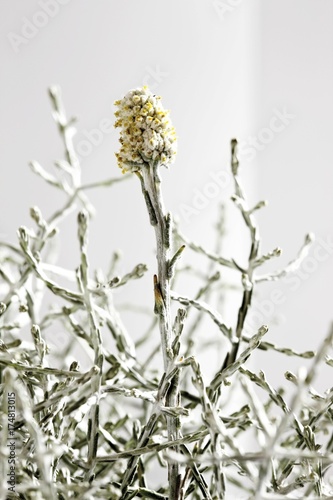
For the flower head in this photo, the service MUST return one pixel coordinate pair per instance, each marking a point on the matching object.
(146, 131)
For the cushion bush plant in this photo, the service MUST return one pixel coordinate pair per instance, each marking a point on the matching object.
(124, 427)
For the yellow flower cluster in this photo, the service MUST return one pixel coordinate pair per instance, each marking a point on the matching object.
(146, 131)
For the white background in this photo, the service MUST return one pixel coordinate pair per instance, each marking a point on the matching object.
(225, 69)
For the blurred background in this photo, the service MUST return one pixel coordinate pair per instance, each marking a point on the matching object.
(256, 70)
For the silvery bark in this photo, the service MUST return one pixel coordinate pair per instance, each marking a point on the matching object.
(161, 222)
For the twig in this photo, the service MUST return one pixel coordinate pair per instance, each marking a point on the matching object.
(202, 306)
(93, 420)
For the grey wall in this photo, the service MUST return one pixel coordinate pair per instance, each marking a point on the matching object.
(295, 169)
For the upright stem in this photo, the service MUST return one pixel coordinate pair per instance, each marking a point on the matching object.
(151, 183)
(159, 219)
(255, 242)
(93, 420)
